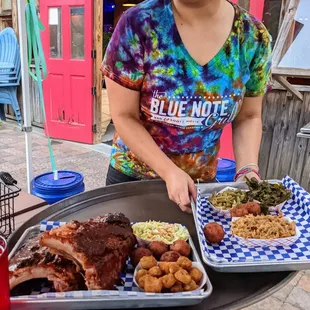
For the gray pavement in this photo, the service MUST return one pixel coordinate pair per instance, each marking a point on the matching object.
(92, 164)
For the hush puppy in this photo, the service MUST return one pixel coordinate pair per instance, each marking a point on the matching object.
(155, 271)
(140, 273)
(214, 232)
(168, 281)
(245, 209)
(170, 256)
(239, 211)
(178, 287)
(253, 208)
(183, 276)
(141, 280)
(173, 267)
(184, 263)
(158, 248)
(147, 262)
(164, 267)
(152, 285)
(191, 286)
(137, 254)
(182, 247)
(196, 275)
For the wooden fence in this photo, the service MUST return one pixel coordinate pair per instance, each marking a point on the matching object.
(37, 116)
(282, 152)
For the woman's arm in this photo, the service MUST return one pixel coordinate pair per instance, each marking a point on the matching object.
(247, 132)
(124, 107)
(247, 126)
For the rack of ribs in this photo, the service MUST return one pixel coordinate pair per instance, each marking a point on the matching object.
(33, 261)
(99, 247)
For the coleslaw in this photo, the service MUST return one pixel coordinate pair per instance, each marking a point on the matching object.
(160, 231)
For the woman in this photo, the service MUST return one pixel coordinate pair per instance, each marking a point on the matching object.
(177, 72)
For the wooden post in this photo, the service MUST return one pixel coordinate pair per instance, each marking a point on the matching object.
(282, 80)
(15, 17)
(284, 9)
(284, 32)
(245, 4)
(1, 21)
(98, 42)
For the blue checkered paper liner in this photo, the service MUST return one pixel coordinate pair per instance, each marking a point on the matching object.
(128, 289)
(49, 225)
(230, 251)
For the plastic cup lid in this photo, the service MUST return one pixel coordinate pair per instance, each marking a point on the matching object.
(66, 179)
(226, 165)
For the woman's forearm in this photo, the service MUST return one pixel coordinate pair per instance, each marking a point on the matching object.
(140, 142)
(247, 134)
(125, 112)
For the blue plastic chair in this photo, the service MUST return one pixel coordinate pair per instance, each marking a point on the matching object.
(9, 71)
(9, 54)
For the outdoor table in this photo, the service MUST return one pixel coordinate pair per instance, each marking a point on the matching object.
(25, 202)
(26, 206)
(148, 200)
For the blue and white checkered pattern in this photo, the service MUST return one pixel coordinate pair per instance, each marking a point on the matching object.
(128, 289)
(109, 294)
(48, 225)
(230, 251)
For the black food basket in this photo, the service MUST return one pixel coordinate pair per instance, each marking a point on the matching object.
(8, 192)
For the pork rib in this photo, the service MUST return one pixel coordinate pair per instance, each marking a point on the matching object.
(33, 262)
(99, 247)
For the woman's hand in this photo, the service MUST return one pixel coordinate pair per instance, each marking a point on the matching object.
(249, 175)
(180, 188)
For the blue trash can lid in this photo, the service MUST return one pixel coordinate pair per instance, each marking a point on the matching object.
(67, 179)
(226, 166)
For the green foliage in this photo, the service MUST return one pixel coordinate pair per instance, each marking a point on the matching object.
(268, 195)
(106, 39)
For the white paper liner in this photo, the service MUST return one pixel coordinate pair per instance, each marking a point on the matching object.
(225, 213)
(277, 208)
(262, 243)
(194, 265)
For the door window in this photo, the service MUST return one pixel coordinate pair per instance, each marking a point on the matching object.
(297, 48)
(54, 24)
(77, 32)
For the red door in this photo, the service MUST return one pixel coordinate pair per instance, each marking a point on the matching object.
(67, 44)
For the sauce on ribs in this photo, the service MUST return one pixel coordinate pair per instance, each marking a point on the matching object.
(33, 262)
(99, 247)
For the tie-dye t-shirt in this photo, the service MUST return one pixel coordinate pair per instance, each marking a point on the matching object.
(183, 105)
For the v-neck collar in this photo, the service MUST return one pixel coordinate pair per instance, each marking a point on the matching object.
(219, 55)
